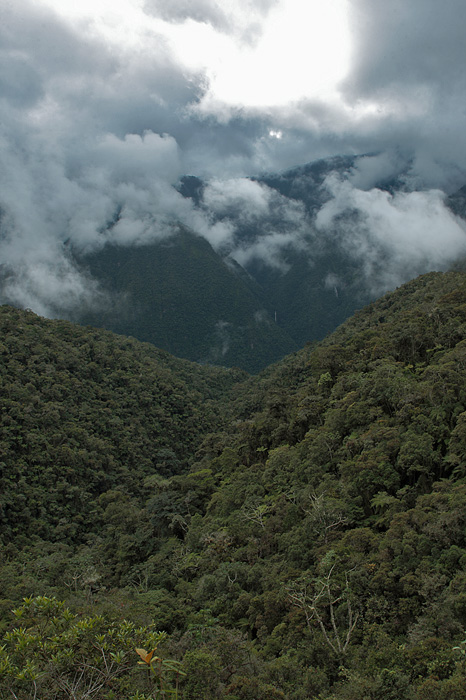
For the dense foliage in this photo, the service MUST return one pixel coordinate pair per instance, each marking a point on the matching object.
(303, 534)
(84, 412)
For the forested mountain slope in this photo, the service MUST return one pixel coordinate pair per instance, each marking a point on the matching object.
(311, 546)
(278, 276)
(85, 411)
(199, 303)
(180, 295)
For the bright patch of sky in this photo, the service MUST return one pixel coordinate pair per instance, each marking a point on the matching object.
(304, 51)
(301, 49)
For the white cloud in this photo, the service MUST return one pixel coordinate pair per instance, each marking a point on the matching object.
(394, 237)
(255, 222)
(374, 169)
(51, 287)
(237, 196)
(270, 250)
(139, 159)
(103, 106)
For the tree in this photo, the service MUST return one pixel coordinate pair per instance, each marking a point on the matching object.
(54, 653)
(327, 600)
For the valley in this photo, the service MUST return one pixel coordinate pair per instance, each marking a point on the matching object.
(296, 534)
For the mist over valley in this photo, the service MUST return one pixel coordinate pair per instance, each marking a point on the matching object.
(314, 197)
(232, 350)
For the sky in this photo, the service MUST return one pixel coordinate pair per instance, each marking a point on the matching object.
(105, 104)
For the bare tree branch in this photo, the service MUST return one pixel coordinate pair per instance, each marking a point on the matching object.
(319, 599)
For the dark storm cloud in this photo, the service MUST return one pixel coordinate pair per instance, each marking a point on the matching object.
(404, 94)
(89, 130)
(113, 88)
(403, 45)
(408, 63)
(41, 40)
(20, 83)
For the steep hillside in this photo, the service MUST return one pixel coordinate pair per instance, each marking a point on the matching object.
(312, 542)
(181, 296)
(314, 288)
(84, 411)
(297, 279)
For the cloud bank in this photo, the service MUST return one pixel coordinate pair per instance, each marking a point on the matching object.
(95, 133)
(394, 236)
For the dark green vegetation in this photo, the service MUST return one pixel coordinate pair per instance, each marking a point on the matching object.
(85, 412)
(298, 535)
(181, 296)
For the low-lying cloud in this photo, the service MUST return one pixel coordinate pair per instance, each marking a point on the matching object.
(94, 136)
(261, 223)
(393, 236)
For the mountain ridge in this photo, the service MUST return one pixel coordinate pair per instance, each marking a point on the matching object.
(295, 282)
